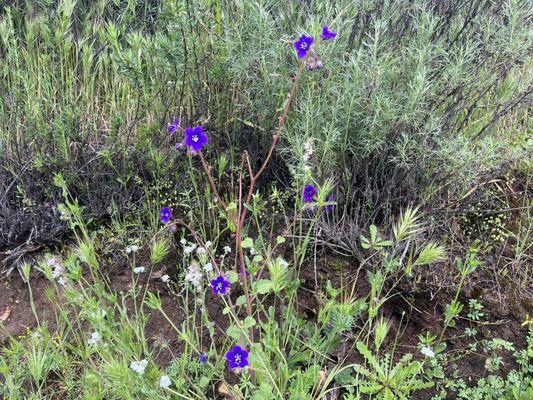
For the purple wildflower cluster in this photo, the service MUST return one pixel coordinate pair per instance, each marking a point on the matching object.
(309, 195)
(174, 126)
(166, 215)
(195, 138)
(237, 357)
(220, 285)
(327, 34)
(305, 43)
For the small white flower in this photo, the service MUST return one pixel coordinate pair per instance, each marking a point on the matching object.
(165, 278)
(189, 249)
(138, 270)
(208, 267)
(307, 150)
(252, 251)
(139, 366)
(201, 251)
(427, 352)
(58, 271)
(194, 275)
(208, 244)
(51, 262)
(95, 337)
(183, 241)
(164, 382)
(35, 335)
(282, 262)
(62, 281)
(308, 146)
(227, 249)
(132, 249)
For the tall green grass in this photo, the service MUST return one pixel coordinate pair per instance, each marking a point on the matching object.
(417, 101)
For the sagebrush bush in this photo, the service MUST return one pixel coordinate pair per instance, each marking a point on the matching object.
(415, 101)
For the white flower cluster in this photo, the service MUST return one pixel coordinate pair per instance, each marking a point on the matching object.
(194, 275)
(308, 150)
(139, 366)
(132, 248)
(165, 278)
(138, 270)
(58, 271)
(95, 338)
(307, 153)
(427, 352)
(165, 382)
(189, 249)
(208, 267)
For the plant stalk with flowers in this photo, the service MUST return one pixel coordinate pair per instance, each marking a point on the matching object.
(196, 139)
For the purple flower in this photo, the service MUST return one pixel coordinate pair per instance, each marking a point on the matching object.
(203, 358)
(303, 45)
(166, 215)
(173, 126)
(309, 193)
(219, 285)
(195, 138)
(245, 271)
(314, 63)
(327, 34)
(330, 207)
(237, 357)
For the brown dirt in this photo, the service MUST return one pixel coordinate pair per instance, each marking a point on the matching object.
(15, 306)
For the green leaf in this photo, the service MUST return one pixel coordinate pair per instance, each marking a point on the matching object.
(249, 322)
(241, 300)
(153, 301)
(234, 332)
(159, 251)
(440, 347)
(280, 240)
(373, 233)
(263, 286)
(367, 354)
(247, 243)
(233, 277)
(264, 392)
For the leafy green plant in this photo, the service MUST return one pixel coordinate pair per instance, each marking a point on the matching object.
(390, 381)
